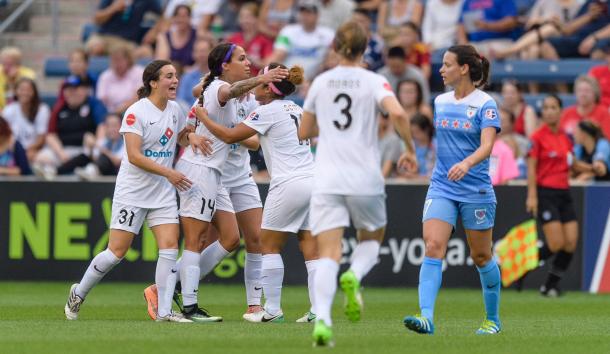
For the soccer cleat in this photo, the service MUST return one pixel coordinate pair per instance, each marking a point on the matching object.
(489, 327)
(172, 317)
(308, 317)
(152, 301)
(73, 304)
(322, 335)
(199, 314)
(550, 292)
(264, 316)
(253, 309)
(419, 324)
(353, 299)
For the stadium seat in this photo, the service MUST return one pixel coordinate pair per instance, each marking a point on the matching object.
(58, 66)
(49, 98)
(543, 71)
(535, 100)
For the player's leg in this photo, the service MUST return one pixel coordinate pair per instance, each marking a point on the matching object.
(309, 247)
(249, 222)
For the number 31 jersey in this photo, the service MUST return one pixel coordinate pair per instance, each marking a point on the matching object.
(346, 103)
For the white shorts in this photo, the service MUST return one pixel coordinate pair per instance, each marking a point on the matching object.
(130, 218)
(240, 198)
(287, 206)
(199, 202)
(331, 211)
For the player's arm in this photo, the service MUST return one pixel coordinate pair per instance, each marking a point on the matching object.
(237, 89)
(309, 126)
(252, 143)
(531, 204)
(133, 147)
(228, 135)
(400, 120)
(460, 169)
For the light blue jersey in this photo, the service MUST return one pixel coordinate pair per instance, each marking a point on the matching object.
(458, 134)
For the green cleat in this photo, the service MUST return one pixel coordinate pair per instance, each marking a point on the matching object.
(489, 327)
(322, 335)
(419, 324)
(199, 314)
(353, 300)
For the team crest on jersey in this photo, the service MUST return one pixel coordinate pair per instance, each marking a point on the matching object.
(490, 114)
(479, 214)
(131, 119)
(241, 113)
(253, 116)
(166, 136)
(471, 111)
(174, 119)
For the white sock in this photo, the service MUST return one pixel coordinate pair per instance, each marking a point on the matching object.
(165, 278)
(364, 258)
(189, 276)
(210, 257)
(272, 277)
(325, 287)
(311, 272)
(252, 278)
(98, 268)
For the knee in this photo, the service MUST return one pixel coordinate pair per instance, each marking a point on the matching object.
(435, 248)
(118, 251)
(555, 245)
(231, 243)
(570, 246)
(480, 258)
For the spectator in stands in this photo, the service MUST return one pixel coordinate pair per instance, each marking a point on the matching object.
(503, 166)
(397, 69)
(390, 146)
(257, 46)
(202, 13)
(78, 64)
(393, 13)
(100, 157)
(518, 143)
(13, 159)
(118, 84)
(439, 27)
(79, 115)
(176, 44)
(371, 6)
(526, 120)
(601, 73)
(410, 95)
(546, 19)
(417, 53)
(422, 132)
(28, 117)
(201, 50)
(596, 44)
(10, 71)
(592, 153)
(305, 43)
(120, 24)
(591, 17)
(373, 56)
(334, 13)
(275, 15)
(488, 25)
(587, 107)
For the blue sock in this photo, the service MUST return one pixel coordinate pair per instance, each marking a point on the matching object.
(430, 276)
(490, 282)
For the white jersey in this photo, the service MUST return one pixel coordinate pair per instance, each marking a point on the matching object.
(285, 155)
(159, 131)
(24, 130)
(345, 101)
(236, 170)
(221, 114)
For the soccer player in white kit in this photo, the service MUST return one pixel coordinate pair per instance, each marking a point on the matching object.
(290, 164)
(341, 107)
(145, 188)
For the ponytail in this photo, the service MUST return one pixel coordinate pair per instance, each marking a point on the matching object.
(478, 65)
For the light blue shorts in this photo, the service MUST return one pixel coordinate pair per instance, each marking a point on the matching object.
(475, 216)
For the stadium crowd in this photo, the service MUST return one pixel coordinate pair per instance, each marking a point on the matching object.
(79, 134)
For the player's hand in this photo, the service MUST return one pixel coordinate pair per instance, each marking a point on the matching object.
(200, 143)
(179, 180)
(201, 113)
(407, 162)
(274, 75)
(458, 171)
(599, 168)
(531, 205)
(480, 24)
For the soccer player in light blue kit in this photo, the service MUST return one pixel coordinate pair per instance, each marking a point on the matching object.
(467, 122)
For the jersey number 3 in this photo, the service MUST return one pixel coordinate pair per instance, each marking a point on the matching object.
(344, 111)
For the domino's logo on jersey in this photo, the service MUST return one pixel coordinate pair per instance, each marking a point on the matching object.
(166, 137)
(491, 114)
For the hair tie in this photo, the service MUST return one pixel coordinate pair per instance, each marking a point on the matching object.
(227, 56)
(481, 56)
(273, 87)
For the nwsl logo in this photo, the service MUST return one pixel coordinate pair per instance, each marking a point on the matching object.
(479, 214)
(165, 137)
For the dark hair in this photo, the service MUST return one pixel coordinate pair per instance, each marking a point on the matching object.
(511, 115)
(5, 129)
(424, 123)
(82, 52)
(350, 40)
(397, 52)
(151, 73)
(215, 60)
(32, 110)
(478, 65)
(182, 6)
(590, 129)
(288, 85)
(556, 98)
(420, 93)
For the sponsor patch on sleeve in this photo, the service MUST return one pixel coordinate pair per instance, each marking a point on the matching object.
(131, 119)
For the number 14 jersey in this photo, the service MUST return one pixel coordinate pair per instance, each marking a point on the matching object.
(346, 103)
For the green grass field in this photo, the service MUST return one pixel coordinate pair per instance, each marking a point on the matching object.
(114, 320)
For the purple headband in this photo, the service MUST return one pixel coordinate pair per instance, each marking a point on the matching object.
(227, 56)
(271, 85)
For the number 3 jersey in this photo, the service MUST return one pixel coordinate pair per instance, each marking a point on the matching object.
(159, 133)
(286, 156)
(345, 101)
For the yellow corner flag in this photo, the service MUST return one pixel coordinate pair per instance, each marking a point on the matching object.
(518, 252)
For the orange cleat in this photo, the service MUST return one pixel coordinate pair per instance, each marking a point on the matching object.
(152, 300)
(254, 308)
